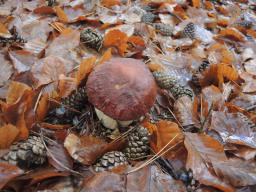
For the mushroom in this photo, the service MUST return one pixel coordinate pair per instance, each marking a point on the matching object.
(122, 90)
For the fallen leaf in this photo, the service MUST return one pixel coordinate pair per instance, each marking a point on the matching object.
(66, 85)
(85, 149)
(107, 55)
(44, 72)
(43, 107)
(110, 3)
(44, 10)
(236, 172)
(8, 133)
(151, 178)
(233, 129)
(118, 39)
(85, 68)
(196, 3)
(6, 70)
(250, 83)
(7, 173)
(61, 15)
(104, 181)
(16, 91)
(164, 133)
(59, 157)
(4, 32)
(233, 34)
(202, 151)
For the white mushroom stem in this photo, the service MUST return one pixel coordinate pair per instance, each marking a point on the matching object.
(109, 122)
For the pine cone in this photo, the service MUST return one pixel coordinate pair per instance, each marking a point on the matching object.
(138, 144)
(15, 38)
(110, 160)
(245, 23)
(196, 76)
(190, 30)
(51, 3)
(164, 79)
(65, 113)
(30, 152)
(179, 91)
(148, 17)
(91, 39)
(104, 132)
(163, 29)
(247, 121)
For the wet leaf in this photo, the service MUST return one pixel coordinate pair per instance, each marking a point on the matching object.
(8, 133)
(232, 129)
(7, 173)
(85, 149)
(164, 133)
(202, 151)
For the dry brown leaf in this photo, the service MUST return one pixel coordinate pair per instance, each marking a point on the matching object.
(107, 55)
(118, 39)
(202, 151)
(47, 70)
(7, 173)
(61, 15)
(196, 3)
(84, 149)
(42, 108)
(6, 70)
(16, 91)
(4, 32)
(232, 129)
(233, 34)
(85, 68)
(66, 85)
(8, 133)
(44, 10)
(164, 133)
(110, 3)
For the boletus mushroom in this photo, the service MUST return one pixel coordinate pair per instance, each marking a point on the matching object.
(121, 90)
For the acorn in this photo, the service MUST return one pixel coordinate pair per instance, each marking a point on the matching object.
(91, 39)
(163, 29)
(138, 144)
(27, 153)
(110, 160)
(148, 17)
(164, 79)
(196, 76)
(190, 30)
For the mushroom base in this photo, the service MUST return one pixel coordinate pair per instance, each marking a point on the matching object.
(109, 122)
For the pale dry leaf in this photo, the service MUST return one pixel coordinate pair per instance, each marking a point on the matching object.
(6, 70)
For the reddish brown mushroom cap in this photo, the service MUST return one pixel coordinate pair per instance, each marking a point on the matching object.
(122, 88)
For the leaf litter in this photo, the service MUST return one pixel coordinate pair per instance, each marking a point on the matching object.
(200, 133)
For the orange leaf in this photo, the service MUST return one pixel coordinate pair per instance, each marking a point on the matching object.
(118, 39)
(42, 108)
(228, 72)
(165, 132)
(44, 10)
(85, 68)
(106, 56)
(4, 31)
(8, 133)
(196, 3)
(136, 40)
(232, 34)
(110, 3)
(15, 91)
(7, 173)
(61, 15)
